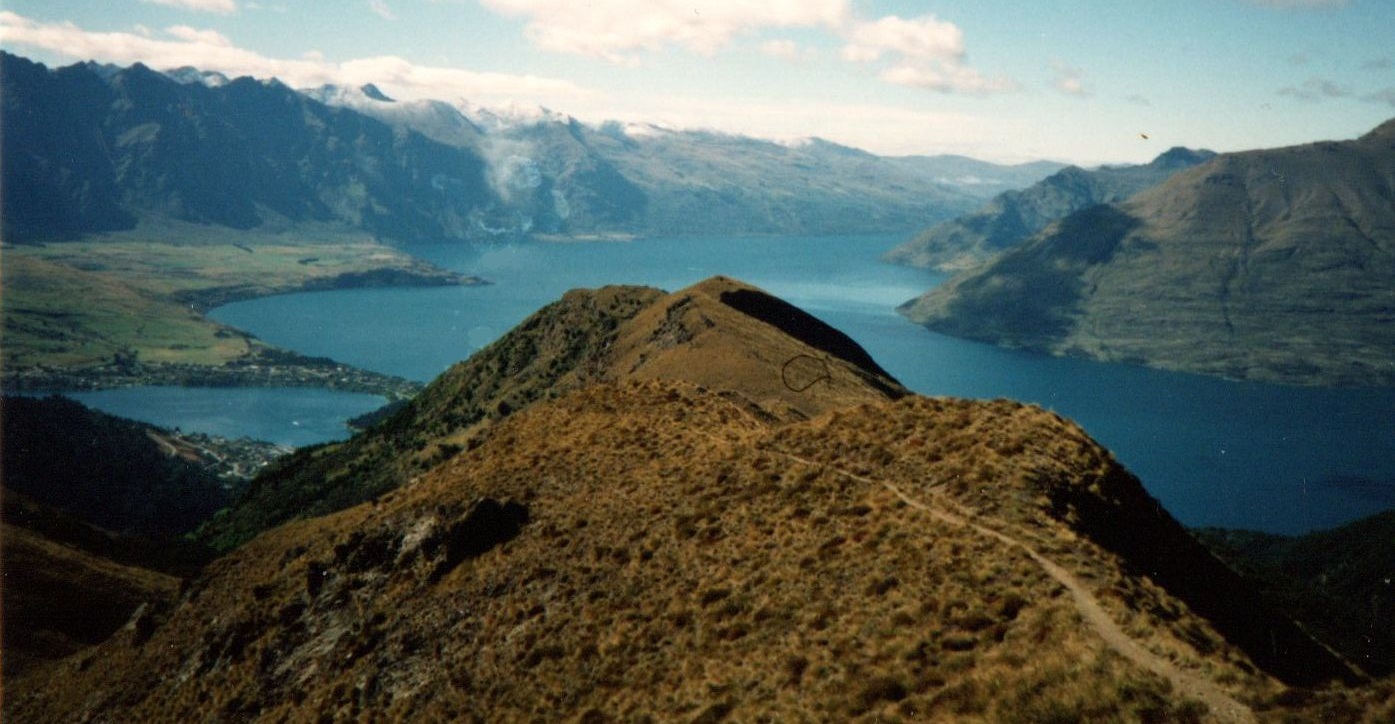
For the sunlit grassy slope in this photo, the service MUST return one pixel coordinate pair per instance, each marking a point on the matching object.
(62, 316)
(78, 304)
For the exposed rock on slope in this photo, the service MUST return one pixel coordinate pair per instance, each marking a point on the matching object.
(1269, 265)
(1013, 216)
(720, 333)
(657, 549)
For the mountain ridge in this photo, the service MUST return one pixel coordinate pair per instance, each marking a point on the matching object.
(1270, 265)
(1013, 216)
(720, 333)
(93, 148)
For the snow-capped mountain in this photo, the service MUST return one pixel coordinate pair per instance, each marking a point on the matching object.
(189, 75)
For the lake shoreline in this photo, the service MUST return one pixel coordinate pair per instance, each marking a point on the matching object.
(268, 367)
(264, 366)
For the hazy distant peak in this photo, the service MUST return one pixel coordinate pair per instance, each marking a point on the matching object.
(1385, 131)
(1181, 157)
(105, 71)
(374, 93)
(335, 95)
(189, 75)
(642, 130)
(510, 115)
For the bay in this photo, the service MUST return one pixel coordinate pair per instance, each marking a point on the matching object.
(1214, 452)
(294, 416)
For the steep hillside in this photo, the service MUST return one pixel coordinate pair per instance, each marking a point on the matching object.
(1338, 582)
(1270, 265)
(1013, 216)
(90, 149)
(720, 333)
(654, 549)
(111, 472)
(69, 586)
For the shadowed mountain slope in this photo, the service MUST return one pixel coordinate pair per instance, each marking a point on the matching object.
(1270, 265)
(1339, 582)
(68, 586)
(720, 333)
(111, 472)
(1013, 216)
(655, 549)
(88, 149)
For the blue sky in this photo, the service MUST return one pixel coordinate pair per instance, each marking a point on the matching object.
(1073, 80)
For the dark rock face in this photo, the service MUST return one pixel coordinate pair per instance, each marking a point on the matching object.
(488, 525)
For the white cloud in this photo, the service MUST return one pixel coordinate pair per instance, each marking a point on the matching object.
(208, 50)
(882, 129)
(222, 7)
(923, 38)
(946, 78)
(1070, 80)
(381, 9)
(616, 30)
(923, 52)
(782, 49)
(196, 36)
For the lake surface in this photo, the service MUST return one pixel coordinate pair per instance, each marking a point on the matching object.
(295, 416)
(1272, 458)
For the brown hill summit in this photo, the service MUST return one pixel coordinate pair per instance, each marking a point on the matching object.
(654, 549)
(1272, 265)
(720, 333)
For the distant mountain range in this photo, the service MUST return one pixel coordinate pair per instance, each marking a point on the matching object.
(1012, 216)
(706, 505)
(94, 148)
(1273, 265)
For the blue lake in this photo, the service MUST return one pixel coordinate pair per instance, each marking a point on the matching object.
(1281, 459)
(294, 416)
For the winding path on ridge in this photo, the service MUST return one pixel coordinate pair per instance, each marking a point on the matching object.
(1223, 706)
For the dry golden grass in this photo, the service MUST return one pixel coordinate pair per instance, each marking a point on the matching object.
(683, 559)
